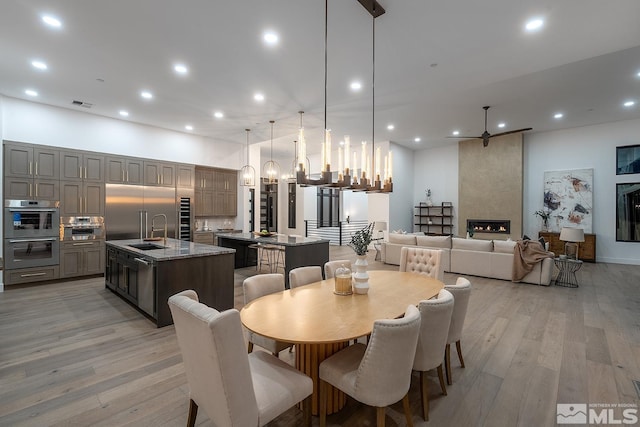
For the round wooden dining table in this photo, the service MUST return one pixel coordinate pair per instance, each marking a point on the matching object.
(320, 322)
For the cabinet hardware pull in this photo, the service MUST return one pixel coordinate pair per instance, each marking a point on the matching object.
(82, 244)
(122, 175)
(80, 171)
(127, 176)
(36, 186)
(36, 168)
(29, 168)
(32, 274)
(46, 239)
(30, 191)
(85, 172)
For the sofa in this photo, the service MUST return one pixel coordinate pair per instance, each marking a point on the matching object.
(476, 257)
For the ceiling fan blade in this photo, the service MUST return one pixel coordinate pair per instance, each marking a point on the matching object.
(465, 137)
(509, 132)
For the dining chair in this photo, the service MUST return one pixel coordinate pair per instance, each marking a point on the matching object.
(378, 374)
(422, 261)
(234, 388)
(435, 318)
(255, 287)
(461, 292)
(304, 275)
(330, 267)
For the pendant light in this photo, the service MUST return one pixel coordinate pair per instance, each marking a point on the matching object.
(247, 173)
(271, 169)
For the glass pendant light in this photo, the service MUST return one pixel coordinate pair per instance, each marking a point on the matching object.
(271, 169)
(247, 173)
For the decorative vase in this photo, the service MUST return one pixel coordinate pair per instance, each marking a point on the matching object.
(361, 276)
(429, 201)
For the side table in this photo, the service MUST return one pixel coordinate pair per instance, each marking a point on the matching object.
(567, 268)
(377, 244)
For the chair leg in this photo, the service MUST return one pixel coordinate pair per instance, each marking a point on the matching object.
(447, 363)
(407, 410)
(441, 378)
(193, 413)
(323, 403)
(306, 411)
(424, 395)
(459, 350)
(380, 416)
(249, 347)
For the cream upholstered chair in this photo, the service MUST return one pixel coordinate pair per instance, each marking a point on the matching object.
(330, 267)
(256, 287)
(422, 261)
(435, 317)
(378, 374)
(234, 388)
(304, 275)
(461, 292)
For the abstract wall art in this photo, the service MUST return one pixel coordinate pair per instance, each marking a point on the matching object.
(568, 197)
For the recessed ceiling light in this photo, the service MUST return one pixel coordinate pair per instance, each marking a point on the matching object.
(558, 115)
(417, 139)
(341, 143)
(39, 65)
(355, 85)
(218, 114)
(51, 21)
(180, 69)
(455, 133)
(270, 38)
(638, 74)
(258, 97)
(31, 92)
(123, 113)
(534, 25)
(629, 103)
(501, 125)
(188, 127)
(146, 94)
(390, 127)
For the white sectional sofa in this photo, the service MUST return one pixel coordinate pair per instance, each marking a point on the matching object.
(476, 257)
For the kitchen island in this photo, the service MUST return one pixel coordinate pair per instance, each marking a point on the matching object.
(298, 251)
(147, 273)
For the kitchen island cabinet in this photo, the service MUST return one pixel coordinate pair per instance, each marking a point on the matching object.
(146, 274)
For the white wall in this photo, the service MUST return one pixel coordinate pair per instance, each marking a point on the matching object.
(578, 148)
(400, 202)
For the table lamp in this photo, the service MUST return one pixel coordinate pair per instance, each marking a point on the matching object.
(572, 237)
(380, 226)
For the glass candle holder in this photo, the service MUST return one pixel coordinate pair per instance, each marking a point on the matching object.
(343, 281)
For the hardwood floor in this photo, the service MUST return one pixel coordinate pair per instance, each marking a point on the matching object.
(73, 353)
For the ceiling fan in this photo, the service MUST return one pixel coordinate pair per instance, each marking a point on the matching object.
(486, 135)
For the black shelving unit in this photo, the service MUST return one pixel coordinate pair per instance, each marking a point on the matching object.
(269, 207)
(434, 220)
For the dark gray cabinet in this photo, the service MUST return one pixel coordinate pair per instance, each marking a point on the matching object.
(31, 172)
(123, 170)
(82, 198)
(159, 174)
(216, 192)
(185, 176)
(81, 166)
(81, 258)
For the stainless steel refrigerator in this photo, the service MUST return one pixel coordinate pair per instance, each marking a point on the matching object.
(130, 209)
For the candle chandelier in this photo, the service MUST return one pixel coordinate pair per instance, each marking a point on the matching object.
(248, 173)
(370, 180)
(271, 168)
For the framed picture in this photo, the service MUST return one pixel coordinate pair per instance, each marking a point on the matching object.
(627, 159)
(628, 212)
(568, 198)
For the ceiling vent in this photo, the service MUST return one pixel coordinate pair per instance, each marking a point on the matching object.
(81, 104)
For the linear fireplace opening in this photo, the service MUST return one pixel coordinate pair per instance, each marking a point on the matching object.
(502, 226)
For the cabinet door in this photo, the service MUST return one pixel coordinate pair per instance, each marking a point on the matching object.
(18, 161)
(134, 171)
(71, 261)
(167, 175)
(115, 170)
(93, 167)
(111, 271)
(71, 202)
(93, 199)
(94, 258)
(71, 165)
(204, 178)
(18, 188)
(46, 189)
(184, 176)
(47, 163)
(151, 173)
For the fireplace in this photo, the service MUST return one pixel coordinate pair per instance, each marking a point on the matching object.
(501, 226)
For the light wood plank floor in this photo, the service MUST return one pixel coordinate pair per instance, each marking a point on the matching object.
(72, 353)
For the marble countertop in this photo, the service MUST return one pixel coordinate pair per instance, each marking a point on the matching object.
(169, 249)
(280, 239)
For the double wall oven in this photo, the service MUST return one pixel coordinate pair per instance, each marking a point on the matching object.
(31, 233)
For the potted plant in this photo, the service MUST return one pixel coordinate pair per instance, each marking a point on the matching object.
(545, 218)
(360, 241)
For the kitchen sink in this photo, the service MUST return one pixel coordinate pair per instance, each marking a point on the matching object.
(146, 246)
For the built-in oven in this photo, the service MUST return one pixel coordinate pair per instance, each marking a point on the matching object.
(82, 228)
(31, 252)
(31, 218)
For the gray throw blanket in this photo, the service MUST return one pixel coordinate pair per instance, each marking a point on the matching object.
(526, 254)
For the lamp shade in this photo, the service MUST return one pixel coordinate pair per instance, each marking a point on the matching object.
(380, 226)
(572, 234)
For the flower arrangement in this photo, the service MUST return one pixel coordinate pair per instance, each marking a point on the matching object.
(361, 239)
(545, 217)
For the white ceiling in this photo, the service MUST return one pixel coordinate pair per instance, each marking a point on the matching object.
(584, 62)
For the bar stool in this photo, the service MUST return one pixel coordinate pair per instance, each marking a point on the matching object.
(262, 256)
(275, 257)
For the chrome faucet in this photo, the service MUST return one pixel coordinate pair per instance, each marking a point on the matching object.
(153, 227)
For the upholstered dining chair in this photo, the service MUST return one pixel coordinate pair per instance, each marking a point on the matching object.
(256, 287)
(422, 261)
(330, 267)
(378, 374)
(435, 315)
(461, 292)
(304, 275)
(234, 388)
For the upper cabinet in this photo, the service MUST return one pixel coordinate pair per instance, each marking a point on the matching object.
(31, 172)
(124, 170)
(81, 166)
(185, 176)
(216, 192)
(160, 174)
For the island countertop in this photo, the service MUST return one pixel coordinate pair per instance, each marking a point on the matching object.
(170, 249)
(279, 239)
